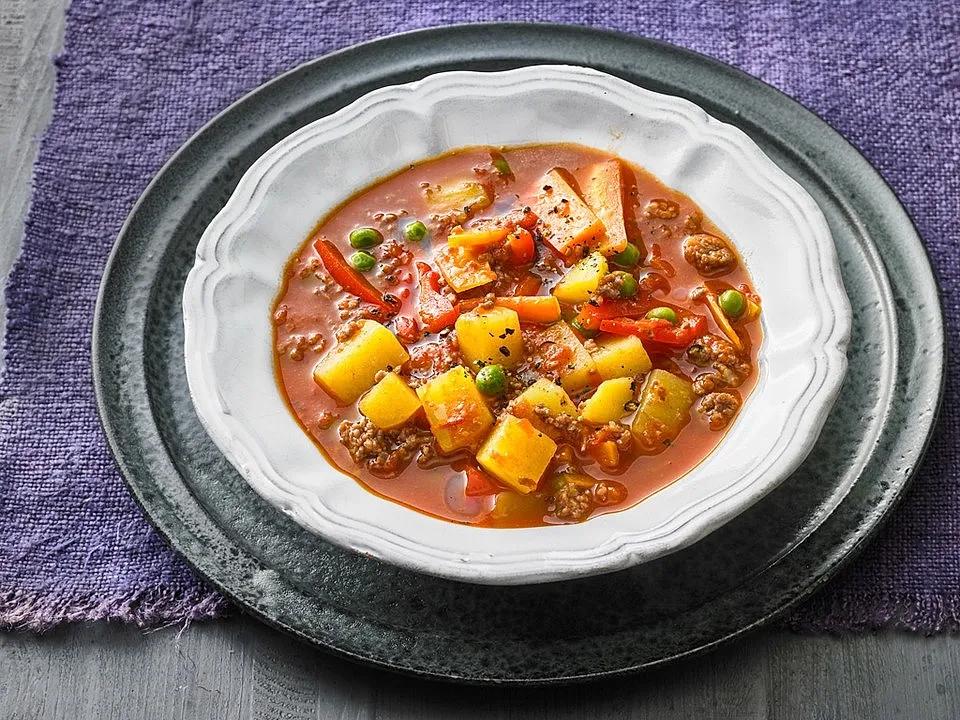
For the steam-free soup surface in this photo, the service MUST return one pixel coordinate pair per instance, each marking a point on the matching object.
(516, 337)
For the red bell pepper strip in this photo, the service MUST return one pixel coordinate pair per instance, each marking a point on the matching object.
(408, 330)
(479, 483)
(348, 278)
(592, 315)
(520, 245)
(658, 330)
(436, 310)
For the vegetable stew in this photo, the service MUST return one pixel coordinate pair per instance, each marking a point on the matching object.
(514, 337)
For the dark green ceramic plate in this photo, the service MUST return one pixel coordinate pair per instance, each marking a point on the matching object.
(739, 577)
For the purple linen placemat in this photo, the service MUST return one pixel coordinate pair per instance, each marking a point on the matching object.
(136, 79)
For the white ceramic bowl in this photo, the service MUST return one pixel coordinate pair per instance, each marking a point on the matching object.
(778, 228)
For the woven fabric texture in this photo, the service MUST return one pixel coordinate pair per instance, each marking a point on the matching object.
(136, 79)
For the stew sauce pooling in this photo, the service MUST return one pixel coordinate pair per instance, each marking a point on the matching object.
(516, 337)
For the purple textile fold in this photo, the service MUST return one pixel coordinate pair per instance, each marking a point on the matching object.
(137, 79)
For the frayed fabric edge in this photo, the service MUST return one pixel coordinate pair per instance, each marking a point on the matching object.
(147, 608)
(925, 613)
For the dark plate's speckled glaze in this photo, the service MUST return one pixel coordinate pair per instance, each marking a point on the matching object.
(737, 578)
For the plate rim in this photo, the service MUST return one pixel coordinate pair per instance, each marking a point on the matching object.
(819, 575)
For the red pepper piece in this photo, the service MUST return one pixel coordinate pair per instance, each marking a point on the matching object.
(436, 310)
(658, 330)
(592, 315)
(520, 245)
(408, 329)
(348, 278)
(479, 483)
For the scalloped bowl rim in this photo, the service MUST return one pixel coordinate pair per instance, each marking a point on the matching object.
(339, 509)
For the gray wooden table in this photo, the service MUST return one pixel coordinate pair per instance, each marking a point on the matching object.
(239, 668)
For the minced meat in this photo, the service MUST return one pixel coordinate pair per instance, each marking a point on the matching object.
(383, 452)
(709, 254)
(660, 208)
(719, 409)
(610, 286)
(571, 502)
(730, 368)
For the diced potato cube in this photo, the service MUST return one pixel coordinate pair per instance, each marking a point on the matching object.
(603, 192)
(347, 372)
(464, 197)
(489, 337)
(576, 367)
(543, 392)
(457, 413)
(566, 220)
(609, 402)
(663, 411)
(621, 356)
(581, 280)
(390, 403)
(461, 269)
(516, 453)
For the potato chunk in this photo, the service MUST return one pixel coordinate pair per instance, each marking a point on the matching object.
(461, 198)
(610, 402)
(567, 222)
(664, 410)
(543, 392)
(490, 337)
(581, 280)
(603, 192)
(516, 453)
(621, 356)
(390, 403)
(347, 372)
(461, 269)
(562, 352)
(457, 413)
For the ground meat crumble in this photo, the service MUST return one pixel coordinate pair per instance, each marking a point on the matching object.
(660, 208)
(384, 452)
(709, 254)
(610, 286)
(719, 409)
(574, 501)
(730, 369)
(394, 257)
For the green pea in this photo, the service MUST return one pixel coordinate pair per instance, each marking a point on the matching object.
(501, 164)
(628, 257)
(733, 303)
(663, 313)
(491, 380)
(365, 237)
(415, 231)
(363, 261)
(628, 284)
(575, 324)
